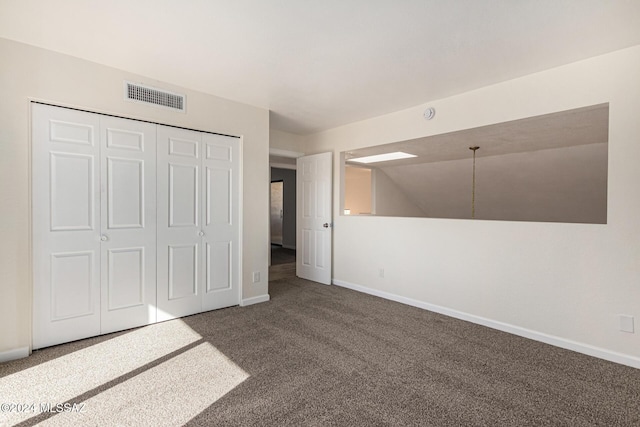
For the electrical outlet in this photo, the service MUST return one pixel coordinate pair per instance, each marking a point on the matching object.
(256, 276)
(381, 273)
(626, 323)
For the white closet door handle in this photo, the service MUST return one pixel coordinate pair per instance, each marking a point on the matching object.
(103, 238)
(201, 233)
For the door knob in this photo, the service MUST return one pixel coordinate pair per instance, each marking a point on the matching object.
(201, 233)
(326, 225)
(103, 238)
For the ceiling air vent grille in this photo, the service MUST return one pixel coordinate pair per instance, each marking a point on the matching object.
(150, 95)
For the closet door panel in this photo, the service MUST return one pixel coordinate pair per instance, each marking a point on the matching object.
(128, 223)
(183, 268)
(72, 191)
(221, 225)
(218, 258)
(71, 282)
(125, 278)
(180, 255)
(126, 193)
(66, 226)
(183, 195)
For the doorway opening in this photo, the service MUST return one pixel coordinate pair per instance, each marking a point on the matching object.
(282, 217)
(307, 187)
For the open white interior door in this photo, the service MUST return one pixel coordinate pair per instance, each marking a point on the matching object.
(314, 221)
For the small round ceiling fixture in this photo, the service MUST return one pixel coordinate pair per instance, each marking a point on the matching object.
(429, 113)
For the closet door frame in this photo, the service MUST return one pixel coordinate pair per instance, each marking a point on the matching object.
(100, 246)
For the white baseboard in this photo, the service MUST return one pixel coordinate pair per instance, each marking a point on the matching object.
(14, 354)
(601, 353)
(254, 300)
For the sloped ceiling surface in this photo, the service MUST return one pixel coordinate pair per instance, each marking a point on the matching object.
(566, 184)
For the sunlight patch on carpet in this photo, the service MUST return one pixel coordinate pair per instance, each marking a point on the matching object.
(169, 394)
(59, 380)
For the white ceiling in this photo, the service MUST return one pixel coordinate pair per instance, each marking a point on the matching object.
(321, 64)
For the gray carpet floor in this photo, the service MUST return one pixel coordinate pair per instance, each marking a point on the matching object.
(327, 356)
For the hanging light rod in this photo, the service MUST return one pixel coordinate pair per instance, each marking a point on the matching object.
(473, 183)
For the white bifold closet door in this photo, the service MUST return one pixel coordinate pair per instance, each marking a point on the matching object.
(94, 224)
(198, 222)
(128, 219)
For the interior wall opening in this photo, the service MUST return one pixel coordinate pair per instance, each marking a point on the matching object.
(548, 168)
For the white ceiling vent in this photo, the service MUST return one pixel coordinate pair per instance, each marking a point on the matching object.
(150, 95)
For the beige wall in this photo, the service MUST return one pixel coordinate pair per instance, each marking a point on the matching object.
(285, 141)
(562, 282)
(32, 73)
